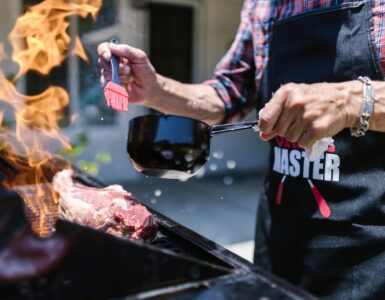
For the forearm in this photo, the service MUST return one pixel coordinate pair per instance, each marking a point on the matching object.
(197, 101)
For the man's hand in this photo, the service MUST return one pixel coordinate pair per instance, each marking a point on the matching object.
(146, 87)
(305, 113)
(135, 71)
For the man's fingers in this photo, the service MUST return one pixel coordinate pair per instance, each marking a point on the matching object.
(104, 51)
(102, 81)
(306, 140)
(103, 64)
(295, 131)
(123, 78)
(126, 79)
(269, 115)
(124, 69)
(106, 74)
(285, 119)
(266, 137)
(133, 55)
(128, 55)
(312, 133)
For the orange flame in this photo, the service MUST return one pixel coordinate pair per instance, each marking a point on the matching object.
(40, 42)
(40, 39)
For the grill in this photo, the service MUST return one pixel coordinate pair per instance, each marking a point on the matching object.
(179, 264)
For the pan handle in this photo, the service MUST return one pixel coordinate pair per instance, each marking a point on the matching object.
(216, 129)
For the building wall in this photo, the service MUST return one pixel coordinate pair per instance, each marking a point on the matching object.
(250, 153)
(8, 15)
(213, 34)
(214, 29)
(222, 22)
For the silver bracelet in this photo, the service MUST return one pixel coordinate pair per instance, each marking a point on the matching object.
(367, 107)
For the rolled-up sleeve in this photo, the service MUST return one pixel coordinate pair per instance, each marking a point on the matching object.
(234, 77)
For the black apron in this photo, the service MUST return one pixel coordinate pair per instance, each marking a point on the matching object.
(321, 225)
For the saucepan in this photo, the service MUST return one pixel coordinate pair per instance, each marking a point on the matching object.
(173, 147)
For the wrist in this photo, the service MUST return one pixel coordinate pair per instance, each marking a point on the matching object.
(352, 91)
(155, 92)
(377, 122)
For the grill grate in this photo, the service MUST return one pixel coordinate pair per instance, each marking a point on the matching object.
(100, 266)
(6, 168)
(40, 207)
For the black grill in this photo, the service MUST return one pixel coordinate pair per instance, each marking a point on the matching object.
(179, 264)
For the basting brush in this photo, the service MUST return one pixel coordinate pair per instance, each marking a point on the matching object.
(116, 95)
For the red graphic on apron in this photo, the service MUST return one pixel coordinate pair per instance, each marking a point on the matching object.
(295, 164)
(323, 207)
(321, 202)
(278, 199)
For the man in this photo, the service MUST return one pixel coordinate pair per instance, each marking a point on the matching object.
(321, 224)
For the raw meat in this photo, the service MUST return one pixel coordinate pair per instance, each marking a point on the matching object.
(27, 256)
(110, 209)
(23, 255)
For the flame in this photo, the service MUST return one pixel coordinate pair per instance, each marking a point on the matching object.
(40, 39)
(3, 55)
(40, 42)
(79, 50)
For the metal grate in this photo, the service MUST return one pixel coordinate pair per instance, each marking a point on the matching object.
(6, 168)
(40, 207)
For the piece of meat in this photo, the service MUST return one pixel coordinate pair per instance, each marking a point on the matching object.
(27, 256)
(110, 209)
(23, 255)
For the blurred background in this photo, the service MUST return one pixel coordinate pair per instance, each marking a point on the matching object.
(184, 40)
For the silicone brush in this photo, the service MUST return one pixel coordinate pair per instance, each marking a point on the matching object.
(115, 94)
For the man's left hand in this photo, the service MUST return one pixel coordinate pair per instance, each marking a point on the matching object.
(305, 113)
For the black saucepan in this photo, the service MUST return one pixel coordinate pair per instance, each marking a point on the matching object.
(173, 147)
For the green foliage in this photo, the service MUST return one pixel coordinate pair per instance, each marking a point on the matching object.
(89, 167)
(79, 147)
(104, 157)
(74, 152)
(83, 139)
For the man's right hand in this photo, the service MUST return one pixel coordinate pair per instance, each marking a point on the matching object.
(136, 73)
(146, 87)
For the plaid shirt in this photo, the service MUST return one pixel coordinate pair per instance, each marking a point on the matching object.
(238, 74)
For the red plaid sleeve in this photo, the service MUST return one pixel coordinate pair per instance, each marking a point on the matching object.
(235, 77)
(238, 74)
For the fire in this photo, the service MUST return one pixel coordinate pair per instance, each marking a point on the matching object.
(40, 42)
(39, 38)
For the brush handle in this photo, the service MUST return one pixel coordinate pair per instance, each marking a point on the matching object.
(115, 65)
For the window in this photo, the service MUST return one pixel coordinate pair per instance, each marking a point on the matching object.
(171, 35)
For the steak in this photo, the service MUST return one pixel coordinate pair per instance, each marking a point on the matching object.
(110, 209)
